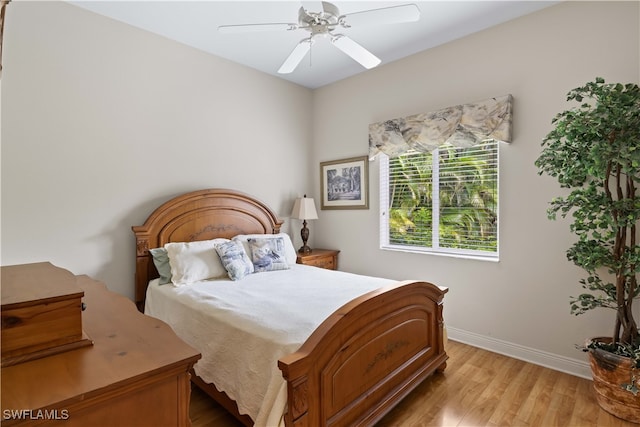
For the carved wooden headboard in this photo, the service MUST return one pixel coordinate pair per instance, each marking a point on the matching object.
(198, 215)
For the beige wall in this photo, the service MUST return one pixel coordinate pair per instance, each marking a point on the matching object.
(519, 305)
(101, 122)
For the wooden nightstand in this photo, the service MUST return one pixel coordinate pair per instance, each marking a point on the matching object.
(323, 258)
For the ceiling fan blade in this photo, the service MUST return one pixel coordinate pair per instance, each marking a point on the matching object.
(385, 15)
(250, 28)
(295, 56)
(355, 51)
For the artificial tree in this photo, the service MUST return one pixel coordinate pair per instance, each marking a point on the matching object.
(594, 151)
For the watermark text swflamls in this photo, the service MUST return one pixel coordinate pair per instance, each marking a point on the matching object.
(35, 414)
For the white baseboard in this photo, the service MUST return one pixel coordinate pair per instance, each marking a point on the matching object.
(548, 360)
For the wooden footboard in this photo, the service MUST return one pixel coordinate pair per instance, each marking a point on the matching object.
(366, 357)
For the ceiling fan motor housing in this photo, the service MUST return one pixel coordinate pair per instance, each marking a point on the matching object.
(319, 22)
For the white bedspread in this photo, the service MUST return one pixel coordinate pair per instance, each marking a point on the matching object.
(242, 328)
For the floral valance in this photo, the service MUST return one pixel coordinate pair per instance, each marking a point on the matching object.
(461, 126)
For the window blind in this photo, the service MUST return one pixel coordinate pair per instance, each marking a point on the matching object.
(443, 201)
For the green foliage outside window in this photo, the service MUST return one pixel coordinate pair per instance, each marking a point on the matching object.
(467, 204)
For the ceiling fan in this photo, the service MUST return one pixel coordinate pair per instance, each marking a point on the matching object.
(321, 19)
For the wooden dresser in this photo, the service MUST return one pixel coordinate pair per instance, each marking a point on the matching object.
(134, 372)
(323, 258)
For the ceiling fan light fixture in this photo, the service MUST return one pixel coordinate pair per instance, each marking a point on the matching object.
(296, 56)
(355, 51)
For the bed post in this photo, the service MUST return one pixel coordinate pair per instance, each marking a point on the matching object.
(145, 269)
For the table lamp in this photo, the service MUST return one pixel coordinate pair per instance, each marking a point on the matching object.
(304, 209)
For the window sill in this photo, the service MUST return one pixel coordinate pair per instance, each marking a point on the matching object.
(453, 254)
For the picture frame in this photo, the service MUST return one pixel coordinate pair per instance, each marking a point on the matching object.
(344, 184)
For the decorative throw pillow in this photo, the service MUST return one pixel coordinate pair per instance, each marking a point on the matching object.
(290, 252)
(161, 261)
(194, 261)
(268, 253)
(234, 259)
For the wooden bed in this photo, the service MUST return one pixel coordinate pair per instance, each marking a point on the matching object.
(358, 364)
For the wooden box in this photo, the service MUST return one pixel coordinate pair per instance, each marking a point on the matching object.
(41, 312)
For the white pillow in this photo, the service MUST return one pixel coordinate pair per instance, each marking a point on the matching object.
(194, 261)
(289, 251)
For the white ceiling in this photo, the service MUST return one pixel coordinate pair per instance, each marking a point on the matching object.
(195, 23)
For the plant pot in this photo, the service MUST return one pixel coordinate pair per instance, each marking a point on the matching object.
(611, 373)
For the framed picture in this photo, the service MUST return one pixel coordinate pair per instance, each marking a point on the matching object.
(345, 183)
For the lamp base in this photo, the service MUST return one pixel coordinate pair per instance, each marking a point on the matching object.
(304, 233)
(304, 249)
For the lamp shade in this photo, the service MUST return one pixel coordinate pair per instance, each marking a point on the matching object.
(304, 208)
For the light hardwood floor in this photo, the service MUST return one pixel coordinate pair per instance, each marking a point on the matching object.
(478, 388)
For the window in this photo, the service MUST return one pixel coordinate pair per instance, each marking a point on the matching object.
(443, 202)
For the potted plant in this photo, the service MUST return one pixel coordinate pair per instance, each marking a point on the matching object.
(594, 152)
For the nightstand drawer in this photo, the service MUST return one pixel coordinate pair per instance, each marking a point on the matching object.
(322, 258)
(328, 263)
